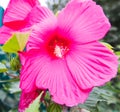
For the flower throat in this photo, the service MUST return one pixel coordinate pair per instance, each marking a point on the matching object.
(58, 47)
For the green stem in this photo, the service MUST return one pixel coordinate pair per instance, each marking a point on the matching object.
(10, 80)
(13, 76)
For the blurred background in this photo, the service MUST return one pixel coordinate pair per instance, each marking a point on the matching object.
(106, 98)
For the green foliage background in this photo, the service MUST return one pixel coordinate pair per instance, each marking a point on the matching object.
(106, 98)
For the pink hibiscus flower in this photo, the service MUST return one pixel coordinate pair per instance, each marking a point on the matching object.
(64, 54)
(16, 18)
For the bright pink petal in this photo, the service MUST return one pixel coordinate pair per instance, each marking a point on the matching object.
(29, 70)
(92, 64)
(26, 99)
(83, 21)
(5, 33)
(54, 76)
(46, 25)
(45, 73)
(16, 13)
(38, 14)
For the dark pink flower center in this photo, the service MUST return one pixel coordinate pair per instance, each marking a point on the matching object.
(58, 47)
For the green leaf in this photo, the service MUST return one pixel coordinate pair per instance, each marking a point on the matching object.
(16, 43)
(12, 87)
(102, 99)
(53, 107)
(2, 95)
(34, 107)
(96, 96)
(2, 68)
